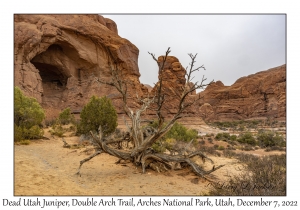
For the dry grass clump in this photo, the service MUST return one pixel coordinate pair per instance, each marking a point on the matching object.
(261, 176)
(24, 142)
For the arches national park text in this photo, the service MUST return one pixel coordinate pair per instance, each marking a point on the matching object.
(93, 202)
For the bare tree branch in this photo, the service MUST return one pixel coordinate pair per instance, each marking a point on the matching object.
(141, 137)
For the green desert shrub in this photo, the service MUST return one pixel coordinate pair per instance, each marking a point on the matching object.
(247, 138)
(226, 136)
(270, 139)
(223, 136)
(57, 129)
(24, 142)
(158, 147)
(178, 133)
(221, 147)
(241, 128)
(28, 117)
(232, 143)
(65, 117)
(181, 133)
(49, 122)
(219, 136)
(18, 133)
(209, 135)
(34, 132)
(273, 148)
(167, 144)
(98, 112)
(233, 137)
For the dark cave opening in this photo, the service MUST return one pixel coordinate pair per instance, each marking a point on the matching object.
(51, 74)
(54, 82)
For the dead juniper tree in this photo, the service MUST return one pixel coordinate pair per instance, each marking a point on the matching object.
(142, 138)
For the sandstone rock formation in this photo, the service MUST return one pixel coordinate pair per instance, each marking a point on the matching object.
(58, 57)
(259, 95)
(173, 75)
(173, 81)
(149, 87)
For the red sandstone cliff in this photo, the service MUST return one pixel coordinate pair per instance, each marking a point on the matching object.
(173, 82)
(259, 95)
(58, 57)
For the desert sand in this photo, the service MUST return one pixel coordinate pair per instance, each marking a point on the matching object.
(44, 167)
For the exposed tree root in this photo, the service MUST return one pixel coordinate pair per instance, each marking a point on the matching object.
(157, 161)
(166, 159)
(142, 138)
(87, 159)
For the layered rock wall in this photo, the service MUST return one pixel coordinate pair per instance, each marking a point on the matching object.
(259, 95)
(58, 57)
(173, 82)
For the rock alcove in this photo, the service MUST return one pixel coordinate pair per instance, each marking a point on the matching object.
(56, 65)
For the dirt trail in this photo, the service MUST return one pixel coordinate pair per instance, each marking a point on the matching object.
(46, 168)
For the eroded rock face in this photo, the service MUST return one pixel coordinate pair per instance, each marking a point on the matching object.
(206, 112)
(173, 79)
(58, 57)
(173, 82)
(259, 95)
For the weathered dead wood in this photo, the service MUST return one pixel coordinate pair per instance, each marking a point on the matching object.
(114, 152)
(164, 158)
(143, 138)
(66, 145)
(87, 159)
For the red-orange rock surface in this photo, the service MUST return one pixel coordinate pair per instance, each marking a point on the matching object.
(173, 82)
(259, 95)
(58, 57)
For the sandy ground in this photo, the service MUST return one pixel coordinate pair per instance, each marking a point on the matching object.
(44, 167)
